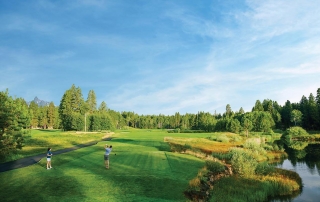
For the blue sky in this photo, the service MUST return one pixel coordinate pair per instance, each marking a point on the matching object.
(155, 56)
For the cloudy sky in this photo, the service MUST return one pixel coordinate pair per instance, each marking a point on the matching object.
(158, 56)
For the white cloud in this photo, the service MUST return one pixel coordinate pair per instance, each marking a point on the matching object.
(17, 22)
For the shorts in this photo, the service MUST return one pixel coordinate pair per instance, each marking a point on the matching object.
(48, 159)
(106, 157)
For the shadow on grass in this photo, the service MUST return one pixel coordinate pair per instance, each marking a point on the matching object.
(134, 185)
(40, 185)
(28, 140)
(49, 130)
(161, 146)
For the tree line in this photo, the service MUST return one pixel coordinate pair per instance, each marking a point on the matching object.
(263, 117)
(74, 113)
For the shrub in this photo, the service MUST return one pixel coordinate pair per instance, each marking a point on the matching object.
(235, 138)
(10, 142)
(215, 167)
(255, 146)
(264, 169)
(294, 136)
(179, 148)
(243, 162)
(212, 137)
(222, 156)
(223, 138)
(267, 147)
(295, 131)
(177, 130)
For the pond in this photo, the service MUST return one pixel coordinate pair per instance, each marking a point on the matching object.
(307, 164)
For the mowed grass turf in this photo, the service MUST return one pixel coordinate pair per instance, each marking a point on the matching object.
(37, 140)
(141, 169)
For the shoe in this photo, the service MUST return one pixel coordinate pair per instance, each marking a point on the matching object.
(48, 168)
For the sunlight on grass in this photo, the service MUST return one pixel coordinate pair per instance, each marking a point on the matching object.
(140, 170)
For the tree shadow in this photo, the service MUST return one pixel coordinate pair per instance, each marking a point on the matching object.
(135, 185)
(160, 146)
(39, 185)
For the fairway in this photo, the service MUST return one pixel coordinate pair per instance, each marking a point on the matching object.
(141, 169)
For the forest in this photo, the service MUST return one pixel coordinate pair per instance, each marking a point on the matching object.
(74, 113)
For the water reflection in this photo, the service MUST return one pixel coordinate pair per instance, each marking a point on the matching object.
(307, 164)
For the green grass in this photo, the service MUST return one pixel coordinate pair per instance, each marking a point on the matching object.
(38, 141)
(142, 170)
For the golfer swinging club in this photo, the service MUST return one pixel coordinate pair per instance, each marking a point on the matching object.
(106, 155)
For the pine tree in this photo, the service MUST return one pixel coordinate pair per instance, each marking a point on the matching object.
(258, 106)
(312, 112)
(33, 111)
(51, 115)
(72, 109)
(92, 101)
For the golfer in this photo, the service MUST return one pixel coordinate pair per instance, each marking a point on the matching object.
(106, 155)
(49, 155)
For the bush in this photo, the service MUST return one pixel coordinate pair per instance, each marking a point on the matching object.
(177, 130)
(243, 162)
(10, 142)
(264, 169)
(212, 137)
(252, 145)
(223, 138)
(179, 148)
(222, 156)
(295, 131)
(294, 136)
(215, 167)
(267, 147)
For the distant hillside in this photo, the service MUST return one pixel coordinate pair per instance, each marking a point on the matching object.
(39, 102)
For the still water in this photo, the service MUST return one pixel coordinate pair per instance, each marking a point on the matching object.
(307, 164)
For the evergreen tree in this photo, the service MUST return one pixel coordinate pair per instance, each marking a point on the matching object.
(103, 107)
(312, 113)
(95, 122)
(241, 111)
(246, 125)
(228, 112)
(11, 122)
(92, 101)
(286, 114)
(234, 126)
(22, 113)
(34, 111)
(318, 108)
(42, 117)
(304, 103)
(51, 115)
(258, 106)
(72, 109)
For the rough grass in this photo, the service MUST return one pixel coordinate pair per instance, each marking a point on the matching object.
(203, 144)
(256, 188)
